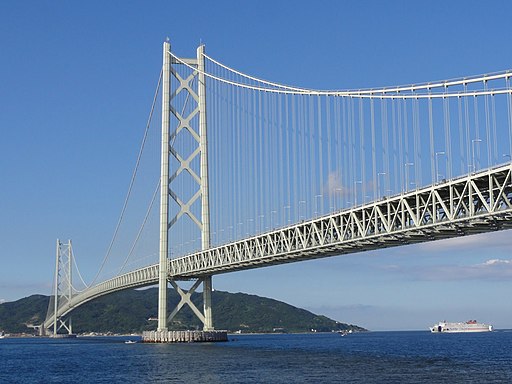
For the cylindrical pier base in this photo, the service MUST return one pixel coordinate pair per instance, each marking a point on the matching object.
(184, 336)
(62, 335)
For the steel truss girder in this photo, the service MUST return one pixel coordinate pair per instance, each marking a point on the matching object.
(476, 203)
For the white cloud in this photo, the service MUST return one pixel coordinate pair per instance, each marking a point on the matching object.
(493, 269)
(333, 185)
(497, 262)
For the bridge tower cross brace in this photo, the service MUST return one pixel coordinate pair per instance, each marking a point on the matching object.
(166, 192)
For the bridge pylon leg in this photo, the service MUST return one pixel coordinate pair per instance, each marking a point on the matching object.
(207, 304)
(164, 191)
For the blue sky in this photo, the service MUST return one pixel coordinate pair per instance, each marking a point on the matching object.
(76, 83)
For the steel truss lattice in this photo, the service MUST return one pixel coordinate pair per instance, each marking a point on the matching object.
(475, 203)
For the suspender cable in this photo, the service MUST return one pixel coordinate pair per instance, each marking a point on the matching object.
(461, 136)
(494, 132)
(362, 150)
(509, 108)
(400, 169)
(350, 173)
(407, 146)
(432, 146)
(155, 194)
(330, 190)
(416, 139)
(282, 176)
(132, 181)
(288, 144)
(448, 139)
(320, 157)
(311, 166)
(385, 141)
(394, 149)
(488, 127)
(468, 131)
(476, 148)
(375, 171)
(339, 151)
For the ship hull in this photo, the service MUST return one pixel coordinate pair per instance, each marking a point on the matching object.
(468, 327)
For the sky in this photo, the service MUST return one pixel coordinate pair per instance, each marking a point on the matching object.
(76, 83)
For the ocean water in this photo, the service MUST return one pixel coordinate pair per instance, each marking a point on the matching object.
(373, 357)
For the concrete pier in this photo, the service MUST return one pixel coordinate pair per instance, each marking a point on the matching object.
(62, 336)
(184, 336)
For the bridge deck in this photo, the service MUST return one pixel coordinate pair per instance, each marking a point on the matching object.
(475, 203)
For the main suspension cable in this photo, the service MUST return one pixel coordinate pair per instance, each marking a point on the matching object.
(132, 181)
(139, 233)
(389, 92)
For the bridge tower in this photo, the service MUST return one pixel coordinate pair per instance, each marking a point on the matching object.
(190, 121)
(62, 288)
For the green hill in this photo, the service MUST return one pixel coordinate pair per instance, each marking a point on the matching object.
(131, 310)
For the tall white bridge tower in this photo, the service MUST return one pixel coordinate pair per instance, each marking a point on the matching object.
(186, 105)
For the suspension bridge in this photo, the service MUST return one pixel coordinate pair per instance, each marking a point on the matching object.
(255, 173)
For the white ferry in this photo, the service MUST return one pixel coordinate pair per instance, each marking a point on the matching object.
(468, 326)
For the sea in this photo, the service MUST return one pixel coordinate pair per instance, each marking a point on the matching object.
(370, 357)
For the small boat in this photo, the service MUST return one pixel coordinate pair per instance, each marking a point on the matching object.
(130, 342)
(468, 326)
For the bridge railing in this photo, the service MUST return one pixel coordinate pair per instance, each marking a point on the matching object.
(136, 279)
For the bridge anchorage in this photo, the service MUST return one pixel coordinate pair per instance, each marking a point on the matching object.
(395, 166)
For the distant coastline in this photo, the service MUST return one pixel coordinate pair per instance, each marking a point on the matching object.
(133, 311)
